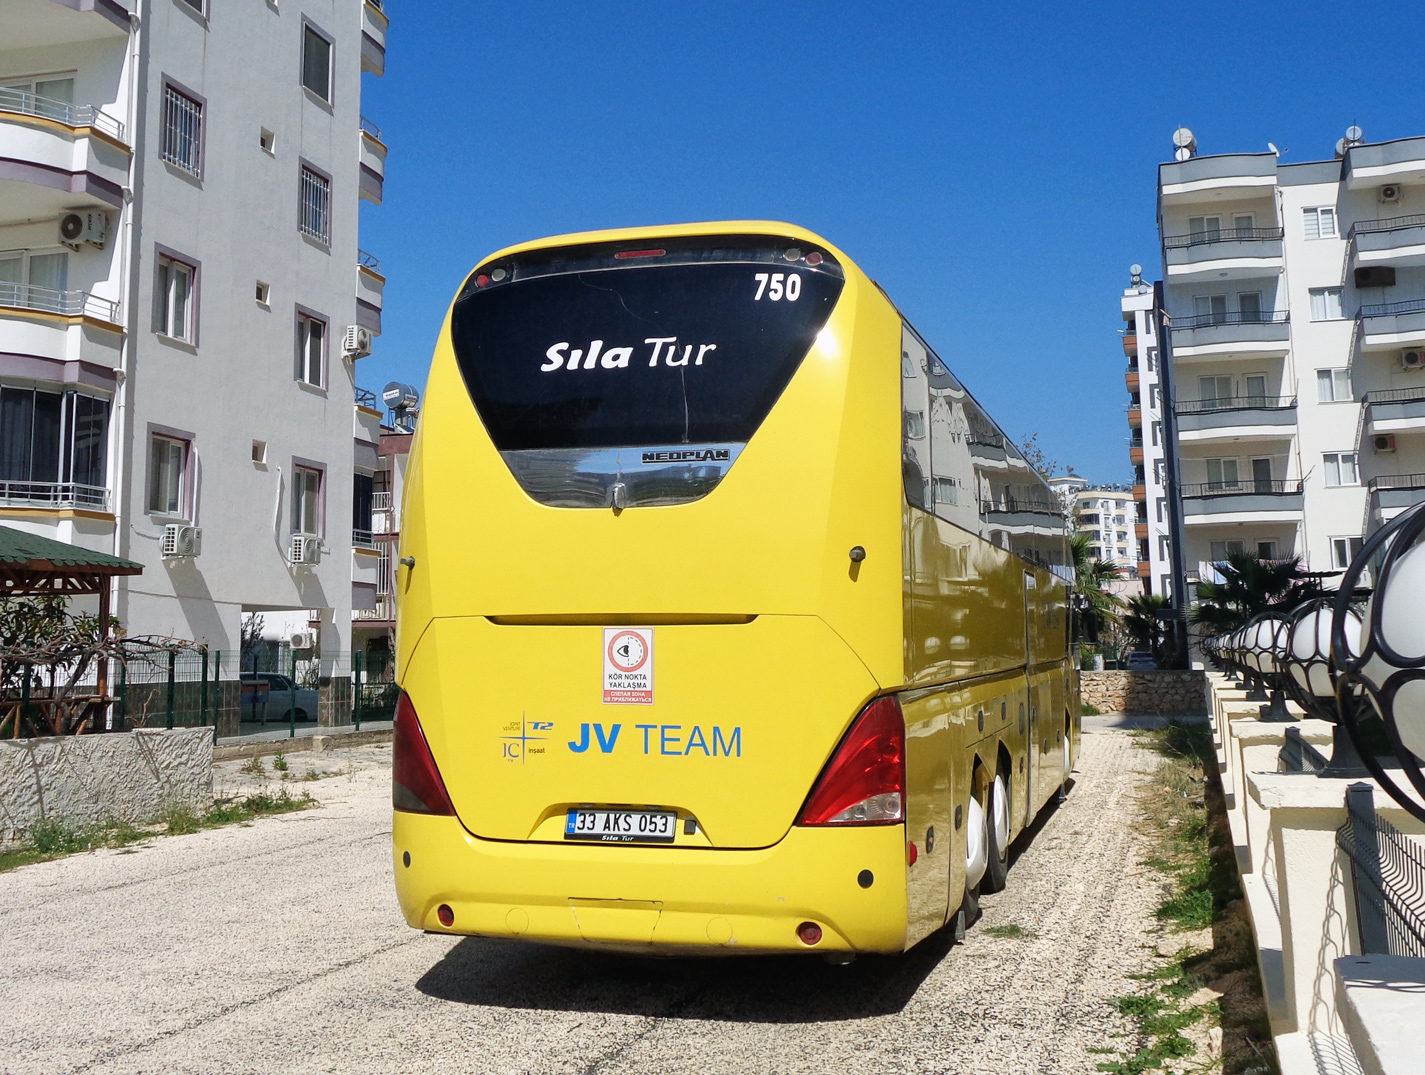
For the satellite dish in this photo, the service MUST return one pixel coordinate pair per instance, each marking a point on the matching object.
(1182, 153)
(1354, 133)
(1273, 147)
(1340, 147)
(1183, 139)
(1135, 270)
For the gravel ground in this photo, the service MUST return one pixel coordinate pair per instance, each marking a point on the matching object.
(277, 947)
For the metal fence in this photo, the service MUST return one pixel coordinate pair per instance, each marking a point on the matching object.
(1387, 876)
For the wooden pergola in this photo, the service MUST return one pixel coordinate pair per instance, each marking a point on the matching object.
(34, 566)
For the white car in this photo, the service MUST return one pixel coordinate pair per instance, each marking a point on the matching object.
(276, 702)
(1140, 660)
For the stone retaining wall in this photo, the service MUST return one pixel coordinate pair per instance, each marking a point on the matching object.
(1158, 693)
(132, 776)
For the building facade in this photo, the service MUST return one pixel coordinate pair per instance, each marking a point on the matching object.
(1147, 443)
(183, 300)
(1106, 515)
(1296, 296)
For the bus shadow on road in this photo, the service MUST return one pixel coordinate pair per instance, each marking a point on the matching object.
(749, 989)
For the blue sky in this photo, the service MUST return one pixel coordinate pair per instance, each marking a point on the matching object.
(992, 165)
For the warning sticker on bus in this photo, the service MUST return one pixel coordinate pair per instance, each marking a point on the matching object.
(628, 666)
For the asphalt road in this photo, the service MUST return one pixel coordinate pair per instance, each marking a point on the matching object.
(278, 947)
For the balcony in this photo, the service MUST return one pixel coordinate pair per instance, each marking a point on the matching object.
(1396, 410)
(370, 289)
(1234, 253)
(1145, 569)
(1242, 502)
(373, 162)
(1130, 344)
(33, 24)
(1204, 179)
(1130, 378)
(1135, 417)
(1238, 417)
(363, 539)
(56, 156)
(1384, 162)
(1387, 325)
(63, 326)
(384, 612)
(1140, 530)
(1135, 454)
(1390, 494)
(1394, 241)
(374, 24)
(1262, 333)
(54, 495)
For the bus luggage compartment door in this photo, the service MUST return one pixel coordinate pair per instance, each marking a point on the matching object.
(736, 724)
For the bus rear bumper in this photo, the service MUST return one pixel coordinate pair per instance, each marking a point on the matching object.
(657, 900)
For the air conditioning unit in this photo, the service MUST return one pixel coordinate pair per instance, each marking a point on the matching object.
(357, 341)
(180, 539)
(1412, 360)
(1383, 443)
(86, 226)
(303, 640)
(1389, 193)
(1375, 276)
(306, 550)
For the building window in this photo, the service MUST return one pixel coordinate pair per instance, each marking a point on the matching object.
(50, 441)
(306, 501)
(1157, 428)
(1223, 474)
(1319, 222)
(173, 299)
(316, 208)
(35, 281)
(1344, 550)
(1221, 550)
(311, 349)
(266, 140)
(317, 63)
(1205, 228)
(1325, 303)
(1249, 305)
(168, 476)
(1162, 546)
(182, 131)
(1211, 307)
(1162, 509)
(263, 293)
(259, 452)
(1333, 386)
(1155, 397)
(362, 488)
(1340, 468)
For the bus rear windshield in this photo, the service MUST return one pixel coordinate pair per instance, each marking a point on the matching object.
(616, 346)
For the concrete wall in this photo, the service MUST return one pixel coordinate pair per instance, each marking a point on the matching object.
(129, 776)
(1155, 692)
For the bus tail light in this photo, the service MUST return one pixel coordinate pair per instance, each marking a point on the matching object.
(416, 786)
(864, 782)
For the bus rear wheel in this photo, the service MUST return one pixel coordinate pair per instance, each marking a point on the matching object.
(997, 836)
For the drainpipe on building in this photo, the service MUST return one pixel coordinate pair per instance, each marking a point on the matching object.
(1162, 324)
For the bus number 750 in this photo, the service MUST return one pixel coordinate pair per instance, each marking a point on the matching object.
(778, 285)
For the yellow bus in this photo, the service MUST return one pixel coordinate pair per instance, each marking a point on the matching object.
(728, 620)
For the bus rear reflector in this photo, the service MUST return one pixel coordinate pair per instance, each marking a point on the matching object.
(416, 786)
(864, 782)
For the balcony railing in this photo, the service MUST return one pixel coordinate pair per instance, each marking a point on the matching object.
(362, 539)
(1387, 309)
(54, 495)
(1236, 317)
(1233, 403)
(1243, 488)
(1394, 395)
(370, 128)
(31, 104)
(380, 502)
(1395, 223)
(67, 303)
(1396, 481)
(385, 610)
(368, 261)
(366, 398)
(1220, 235)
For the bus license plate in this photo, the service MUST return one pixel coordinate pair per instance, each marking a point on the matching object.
(621, 826)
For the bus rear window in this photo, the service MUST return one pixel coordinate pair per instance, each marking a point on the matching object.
(673, 343)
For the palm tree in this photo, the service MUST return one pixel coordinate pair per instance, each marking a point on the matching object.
(1091, 576)
(1145, 625)
(1249, 588)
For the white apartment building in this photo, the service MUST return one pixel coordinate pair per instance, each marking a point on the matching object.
(1296, 294)
(1105, 513)
(1147, 444)
(183, 300)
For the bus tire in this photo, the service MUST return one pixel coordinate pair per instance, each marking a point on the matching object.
(977, 840)
(997, 833)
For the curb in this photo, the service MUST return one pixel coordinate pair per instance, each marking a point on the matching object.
(303, 743)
